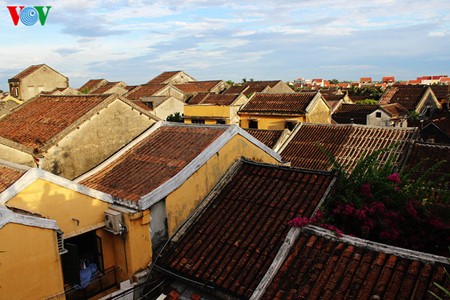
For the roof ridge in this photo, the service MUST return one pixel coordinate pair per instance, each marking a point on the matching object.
(376, 246)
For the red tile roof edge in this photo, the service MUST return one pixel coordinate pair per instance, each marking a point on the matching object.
(294, 234)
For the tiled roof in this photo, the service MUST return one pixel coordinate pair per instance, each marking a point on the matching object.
(408, 96)
(424, 156)
(334, 104)
(36, 121)
(414, 81)
(388, 79)
(27, 71)
(213, 99)
(197, 86)
(145, 90)
(163, 77)
(8, 176)
(291, 104)
(325, 267)
(106, 87)
(236, 89)
(442, 92)
(258, 86)
(232, 241)
(92, 84)
(153, 161)
(332, 96)
(348, 143)
(395, 110)
(267, 137)
(365, 79)
(356, 112)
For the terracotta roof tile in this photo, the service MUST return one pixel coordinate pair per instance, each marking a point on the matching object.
(324, 267)
(197, 86)
(395, 110)
(356, 112)
(267, 137)
(348, 143)
(8, 176)
(236, 89)
(291, 104)
(103, 89)
(424, 156)
(38, 120)
(27, 71)
(258, 86)
(442, 92)
(408, 96)
(213, 99)
(332, 96)
(388, 79)
(233, 241)
(163, 77)
(365, 79)
(145, 90)
(92, 84)
(153, 161)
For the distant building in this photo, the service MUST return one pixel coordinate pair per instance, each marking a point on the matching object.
(35, 79)
(280, 111)
(389, 80)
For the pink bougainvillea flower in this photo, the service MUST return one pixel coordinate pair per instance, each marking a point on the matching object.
(394, 177)
(360, 214)
(384, 235)
(299, 222)
(366, 189)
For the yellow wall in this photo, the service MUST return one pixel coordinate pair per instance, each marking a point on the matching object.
(62, 205)
(207, 111)
(29, 263)
(135, 253)
(320, 114)
(269, 122)
(181, 202)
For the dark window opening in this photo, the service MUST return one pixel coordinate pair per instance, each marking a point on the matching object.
(83, 261)
(378, 115)
(253, 124)
(290, 125)
(220, 122)
(198, 121)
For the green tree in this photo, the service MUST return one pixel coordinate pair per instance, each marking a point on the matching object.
(176, 117)
(334, 81)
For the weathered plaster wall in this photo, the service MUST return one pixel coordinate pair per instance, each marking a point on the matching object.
(168, 107)
(16, 156)
(95, 140)
(320, 114)
(43, 79)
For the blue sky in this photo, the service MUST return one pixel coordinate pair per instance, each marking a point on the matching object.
(135, 40)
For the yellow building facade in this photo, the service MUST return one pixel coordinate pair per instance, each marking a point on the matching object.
(283, 111)
(80, 255)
